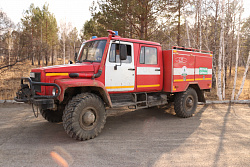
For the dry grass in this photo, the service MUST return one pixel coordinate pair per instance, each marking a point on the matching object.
(10, 79)
(10, 82)
(229, 87)
(246, 89)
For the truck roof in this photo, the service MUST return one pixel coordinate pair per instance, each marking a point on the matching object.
(182, 48)
(127, 40)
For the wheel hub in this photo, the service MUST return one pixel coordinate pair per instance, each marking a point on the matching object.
(189, 102)
(88, 118)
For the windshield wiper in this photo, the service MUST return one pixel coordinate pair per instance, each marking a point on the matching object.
(91, 61)
(88, 61)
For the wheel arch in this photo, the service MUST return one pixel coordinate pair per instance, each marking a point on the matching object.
(200, 92)
(72, 88)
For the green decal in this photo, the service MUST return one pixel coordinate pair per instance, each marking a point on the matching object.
(184, 71)
(203, 71)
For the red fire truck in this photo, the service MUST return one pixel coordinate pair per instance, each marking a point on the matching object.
(116, 72)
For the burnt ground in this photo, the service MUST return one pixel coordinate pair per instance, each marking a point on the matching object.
(217, 135)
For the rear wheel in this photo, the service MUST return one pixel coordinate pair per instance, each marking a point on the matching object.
(185, 103)
(84, 116)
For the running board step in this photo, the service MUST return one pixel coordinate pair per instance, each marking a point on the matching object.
(123, 104)
(138, 100)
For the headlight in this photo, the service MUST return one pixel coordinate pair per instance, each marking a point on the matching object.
(54, 91)
(32, 75)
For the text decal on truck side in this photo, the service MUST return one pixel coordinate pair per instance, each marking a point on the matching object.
(203, 71)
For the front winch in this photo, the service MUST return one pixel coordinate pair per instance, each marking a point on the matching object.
(27, 94)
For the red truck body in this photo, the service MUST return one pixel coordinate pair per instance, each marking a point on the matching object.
(182, 68)
(113, 72)
(171, 77)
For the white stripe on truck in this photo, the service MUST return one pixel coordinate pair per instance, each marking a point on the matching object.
(148, 71)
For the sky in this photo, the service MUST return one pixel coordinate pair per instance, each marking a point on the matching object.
(74, 11)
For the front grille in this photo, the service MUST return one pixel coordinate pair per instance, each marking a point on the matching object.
(37, 79)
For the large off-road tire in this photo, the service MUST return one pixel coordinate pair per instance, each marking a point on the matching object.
(53, 116)
(84, 116)
(185, 103)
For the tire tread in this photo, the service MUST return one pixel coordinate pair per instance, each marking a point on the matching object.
(179, 106)
(69, 114)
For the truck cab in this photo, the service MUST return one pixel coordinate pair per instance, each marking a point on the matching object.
(116, 72)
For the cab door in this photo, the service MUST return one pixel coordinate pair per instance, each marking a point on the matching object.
(120, 74)
(148, 69)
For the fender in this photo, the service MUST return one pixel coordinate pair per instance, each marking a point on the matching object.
(191, 83)
(69, 83)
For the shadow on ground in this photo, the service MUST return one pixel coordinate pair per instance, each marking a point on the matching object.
(135, 138)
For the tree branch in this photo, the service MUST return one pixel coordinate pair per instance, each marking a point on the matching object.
(10, 65)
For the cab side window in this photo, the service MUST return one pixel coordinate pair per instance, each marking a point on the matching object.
(114, 54)
(148, 55)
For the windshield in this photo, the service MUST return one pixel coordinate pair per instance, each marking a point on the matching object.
(92, 51)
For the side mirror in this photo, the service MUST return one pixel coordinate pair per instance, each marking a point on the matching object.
(75, 56)
(70, 62)
(123, 52)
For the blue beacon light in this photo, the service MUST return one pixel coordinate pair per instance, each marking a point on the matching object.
(116, 33)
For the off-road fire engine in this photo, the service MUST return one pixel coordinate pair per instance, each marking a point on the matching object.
(116, 72)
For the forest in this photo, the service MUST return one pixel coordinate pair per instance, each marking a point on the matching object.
(214, 25)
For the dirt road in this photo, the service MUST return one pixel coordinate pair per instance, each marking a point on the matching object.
(218, 135)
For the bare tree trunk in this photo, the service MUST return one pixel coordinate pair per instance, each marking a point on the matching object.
(224, 69)
(75, 48)
(130, 31)
(214, 82)
(41, 46)
(146, 21)
(64, 51)
(32, 59)
(9, 47)
(69, 49)
(187, 31)
(200, 36)
(179, 23)
(244, 77)
(46, 52)
(231, 57)
(206, 27)
(39, 58)
(52, 54)
(64, 31)
(226, 47)
(197, 23)
(237, 53)
(219, 93)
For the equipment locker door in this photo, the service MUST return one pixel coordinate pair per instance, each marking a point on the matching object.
(120, 74)
(183, 69)
(148, 69)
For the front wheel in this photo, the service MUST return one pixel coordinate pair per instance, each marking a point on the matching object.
(185, 103)
(84, 116)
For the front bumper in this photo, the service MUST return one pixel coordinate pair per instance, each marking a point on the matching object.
(27, 94)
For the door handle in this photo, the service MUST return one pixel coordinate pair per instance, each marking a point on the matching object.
(131, 69)
(157, 69)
